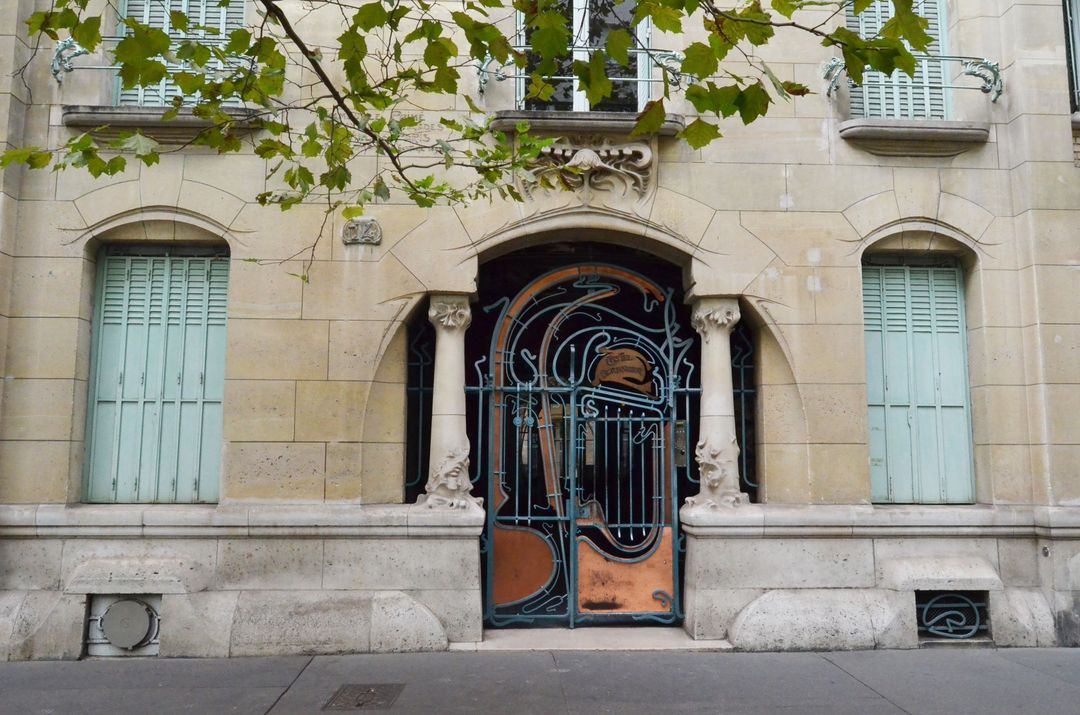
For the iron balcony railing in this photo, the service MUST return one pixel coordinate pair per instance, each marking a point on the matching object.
(935, 74)
(668, 62)
(67, 51)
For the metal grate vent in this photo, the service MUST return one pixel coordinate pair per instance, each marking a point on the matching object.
(952, 615)
(365, 696)
(123, 625)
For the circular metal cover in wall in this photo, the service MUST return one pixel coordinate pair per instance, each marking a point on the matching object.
(128, 623)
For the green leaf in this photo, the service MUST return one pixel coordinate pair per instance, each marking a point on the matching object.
(88, 33)
(618, 45)
(753, 102)
(700, 60)
(370, 16)
(699, 133)
(380, 189)
(593, 77)
(137, 143)
(786, 8)
(29, 156)
(178, 20)
(664, 17)
(651, 119)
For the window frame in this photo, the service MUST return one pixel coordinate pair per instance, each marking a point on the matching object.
(166, 89)
(580, 51)
(205, 487)
(899, 82)
(908, 261)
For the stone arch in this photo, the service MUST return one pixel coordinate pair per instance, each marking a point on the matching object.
(923, 235)
(384, 437)
(155, 224)
(588, 224)
(783, 455)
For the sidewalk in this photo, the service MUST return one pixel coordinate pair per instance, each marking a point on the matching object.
(952, 681)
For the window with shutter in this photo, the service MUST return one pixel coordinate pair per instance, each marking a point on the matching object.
(154, 418)
(155, 13)
(917, 386)
(898, 95)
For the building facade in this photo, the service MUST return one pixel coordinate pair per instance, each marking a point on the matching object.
(808, 387)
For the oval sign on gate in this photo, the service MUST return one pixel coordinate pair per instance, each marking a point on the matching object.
(624, 366)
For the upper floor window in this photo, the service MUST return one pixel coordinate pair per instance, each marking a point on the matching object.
(897, 95)
(157, 376)
(201, 14)
(1072, 42)
(590, 23)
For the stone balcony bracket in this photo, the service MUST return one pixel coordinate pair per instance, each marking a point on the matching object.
(914, 137)
(114, 120)
(583, 123)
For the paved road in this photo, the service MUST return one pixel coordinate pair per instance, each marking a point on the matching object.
(520, 683)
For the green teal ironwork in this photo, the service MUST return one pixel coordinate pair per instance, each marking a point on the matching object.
(952, 615)
(595, 431)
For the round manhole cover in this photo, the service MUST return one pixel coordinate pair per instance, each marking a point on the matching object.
(127, 623)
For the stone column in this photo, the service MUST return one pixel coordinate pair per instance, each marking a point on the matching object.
(448, 483)
(717, 450)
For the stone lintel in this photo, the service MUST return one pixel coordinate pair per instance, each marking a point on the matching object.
(548, 122)
(939, 574)
(914, 137)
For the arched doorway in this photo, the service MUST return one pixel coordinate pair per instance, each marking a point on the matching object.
(582, 403)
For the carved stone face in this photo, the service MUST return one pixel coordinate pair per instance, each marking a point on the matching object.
(457, 477)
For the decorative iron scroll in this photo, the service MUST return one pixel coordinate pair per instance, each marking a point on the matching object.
(66, 50)
(952, 615)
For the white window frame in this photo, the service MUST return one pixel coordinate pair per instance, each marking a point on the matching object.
(580, 42)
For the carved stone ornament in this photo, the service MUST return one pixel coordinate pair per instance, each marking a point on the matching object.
(708, 319)
(718, 466)
(450, 314)
(448, 484)
(594, 163)
(364, 230)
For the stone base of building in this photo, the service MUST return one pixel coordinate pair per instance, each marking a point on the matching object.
(770, 578)
(237, 581)
(270, 580)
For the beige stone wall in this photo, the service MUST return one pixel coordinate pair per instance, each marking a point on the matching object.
(779, 213)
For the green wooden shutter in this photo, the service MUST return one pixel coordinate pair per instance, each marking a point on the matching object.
(897, 95)
(154, 424)
(156, 14)
(917, 386)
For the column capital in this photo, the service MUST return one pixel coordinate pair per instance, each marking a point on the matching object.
(450, 311)
(712, 315)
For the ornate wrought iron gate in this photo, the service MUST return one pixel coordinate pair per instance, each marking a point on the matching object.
(584, 401)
